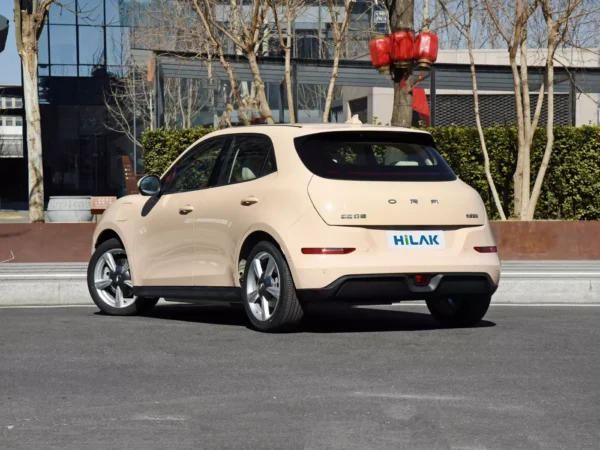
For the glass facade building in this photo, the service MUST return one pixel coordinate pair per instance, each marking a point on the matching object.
(85, 50)
(78, 55)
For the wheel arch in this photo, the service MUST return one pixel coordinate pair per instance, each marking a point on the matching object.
(106, 235)
(253, 237)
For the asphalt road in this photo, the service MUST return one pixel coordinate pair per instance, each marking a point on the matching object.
(197, 377)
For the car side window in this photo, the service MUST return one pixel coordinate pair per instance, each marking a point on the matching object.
(198, 169)
(251, 157)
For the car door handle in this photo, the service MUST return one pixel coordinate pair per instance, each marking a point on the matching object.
(186, 209)
(249, 201)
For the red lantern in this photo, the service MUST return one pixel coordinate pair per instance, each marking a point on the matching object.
(403, 45)
(380, 53)
(426, 49)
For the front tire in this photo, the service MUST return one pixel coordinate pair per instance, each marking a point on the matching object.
(459, 312)
(268, 291)
(109, 282)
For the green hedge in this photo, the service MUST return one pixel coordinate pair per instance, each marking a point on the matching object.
(162, 147)
(571, 188)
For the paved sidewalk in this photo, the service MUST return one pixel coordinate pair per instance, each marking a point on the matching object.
(551, 282)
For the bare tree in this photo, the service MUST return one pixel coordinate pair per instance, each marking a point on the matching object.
(131, 99)
(516, 25)
(245, 32)
(557, 15)
(339, 27)
(465, 28)
(29, 25)
(289, 10)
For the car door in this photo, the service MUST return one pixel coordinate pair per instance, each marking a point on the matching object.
(229, 210)
(165, 242)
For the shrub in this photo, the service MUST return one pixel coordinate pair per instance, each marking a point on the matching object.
(571, 189)
(571, 186)
(162, 147)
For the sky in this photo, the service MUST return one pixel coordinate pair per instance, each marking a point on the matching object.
(10, 63)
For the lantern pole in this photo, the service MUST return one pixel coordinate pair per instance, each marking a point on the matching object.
(402, 19)
(425, 15)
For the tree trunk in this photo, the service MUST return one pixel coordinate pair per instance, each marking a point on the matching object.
(537, 187)
(402, 19)
(265, 110)
(402, 113)
(527, 130)
(334, 74)
(34, 129)
(518, 177)
(486, 158)
(288, 79)
(234, 86)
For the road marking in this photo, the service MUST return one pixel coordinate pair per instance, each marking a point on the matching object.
(568, 274)
(505, 304)
(409, 396)
(46, 306)
(43, 275)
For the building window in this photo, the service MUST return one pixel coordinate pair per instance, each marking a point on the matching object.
(8, 121)
(63, 70)
(63, 48)
(91, 45)
(116, 12)
(91, 12)
(117, 46)
(19, 122)
(43, 47)
(18, 103)
(60, 15)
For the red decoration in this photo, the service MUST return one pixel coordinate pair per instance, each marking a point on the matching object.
(402, 51)
(380, 53)
(421, 106)
(426, 49)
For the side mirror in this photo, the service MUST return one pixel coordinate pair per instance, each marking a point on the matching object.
(149, 185)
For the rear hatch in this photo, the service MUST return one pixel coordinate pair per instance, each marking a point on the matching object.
(385, 179)
(394, 204)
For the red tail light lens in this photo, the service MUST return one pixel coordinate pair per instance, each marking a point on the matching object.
(327, 251)
(486, 249)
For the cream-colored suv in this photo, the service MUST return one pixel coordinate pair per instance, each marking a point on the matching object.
(276, 217)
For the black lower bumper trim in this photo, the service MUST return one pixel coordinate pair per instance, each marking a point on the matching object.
(390, 288)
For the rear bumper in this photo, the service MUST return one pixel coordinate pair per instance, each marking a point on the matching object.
(391, 288)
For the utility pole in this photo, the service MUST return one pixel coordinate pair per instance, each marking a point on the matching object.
(402, 19)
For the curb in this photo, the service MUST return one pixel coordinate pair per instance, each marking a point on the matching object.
(551, 282)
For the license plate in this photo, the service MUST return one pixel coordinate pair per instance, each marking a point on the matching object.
(416, 240)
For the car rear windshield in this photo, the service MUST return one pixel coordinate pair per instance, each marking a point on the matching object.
(373, 156)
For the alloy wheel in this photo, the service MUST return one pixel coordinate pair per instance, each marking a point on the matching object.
(263, 286)
(112, 279)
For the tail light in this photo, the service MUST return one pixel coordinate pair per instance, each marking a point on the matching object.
(493, 249)
(327, 251)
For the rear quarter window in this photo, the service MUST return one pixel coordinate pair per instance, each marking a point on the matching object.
(373, 156)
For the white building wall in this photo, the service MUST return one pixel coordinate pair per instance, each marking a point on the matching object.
(587, 109)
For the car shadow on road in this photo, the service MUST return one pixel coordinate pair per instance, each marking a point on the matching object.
(328, 319)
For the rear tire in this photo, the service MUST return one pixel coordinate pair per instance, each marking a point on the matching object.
(103, 281)
(459, 312)
(269, 292)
